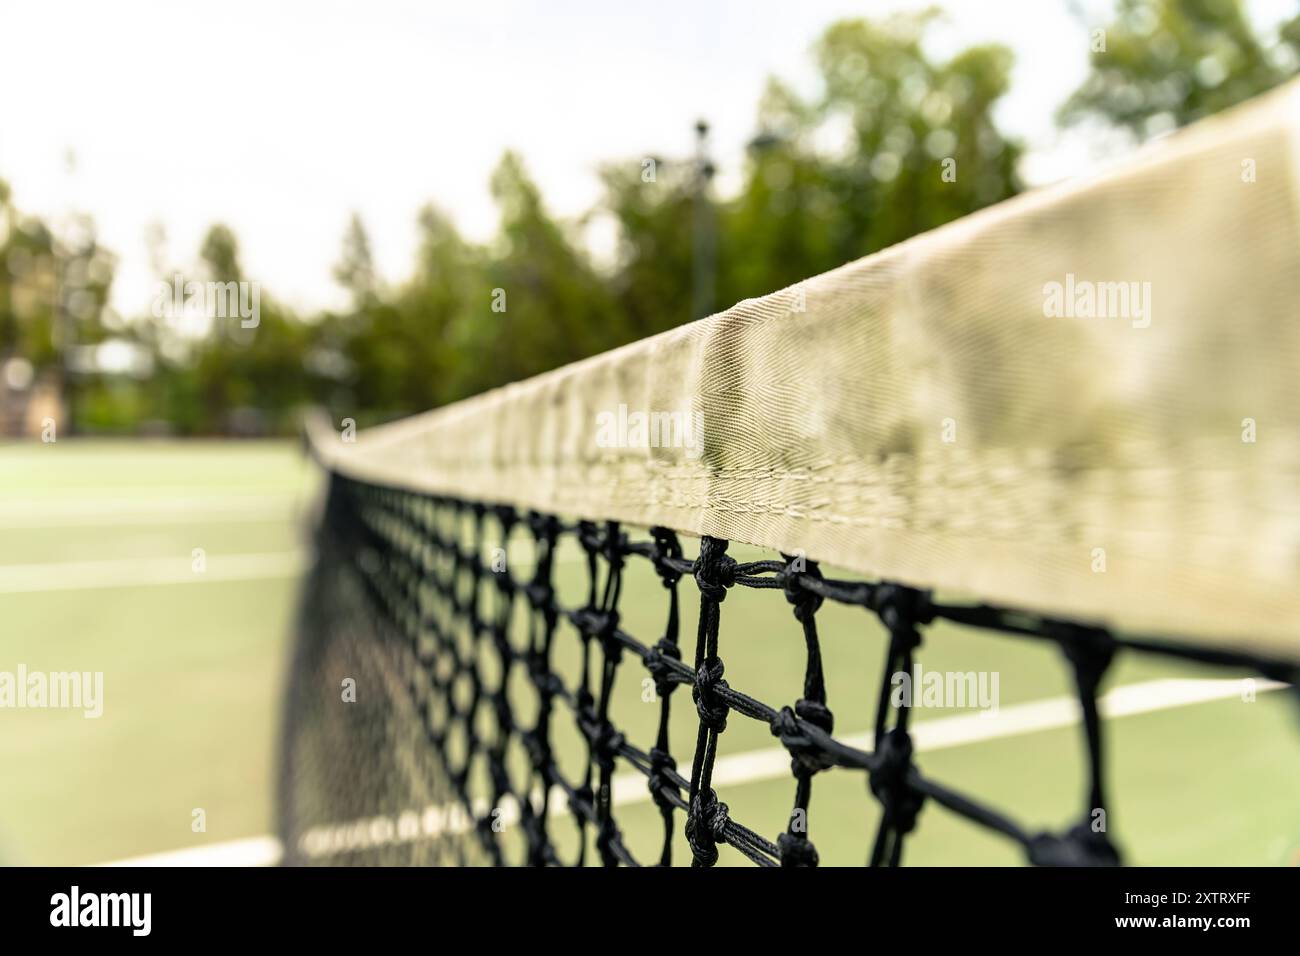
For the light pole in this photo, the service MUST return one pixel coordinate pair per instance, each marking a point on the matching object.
(703, 231)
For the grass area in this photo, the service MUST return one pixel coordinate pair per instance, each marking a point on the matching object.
(194, 673)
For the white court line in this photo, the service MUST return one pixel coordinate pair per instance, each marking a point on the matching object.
(254, 851)
(85, 575)
(110, 513)
(1012, 721)
(148, 572)
(774, 762)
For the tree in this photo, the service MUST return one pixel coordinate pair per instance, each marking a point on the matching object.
(651, 200)
(1167, 63)
(29, 269)
(893, 144)
(397, 345)
(541, 303)
(355, 270)
(251, 377)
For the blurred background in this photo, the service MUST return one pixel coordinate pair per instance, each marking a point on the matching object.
(370, 175)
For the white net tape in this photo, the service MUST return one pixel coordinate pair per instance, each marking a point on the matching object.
(1084, 402)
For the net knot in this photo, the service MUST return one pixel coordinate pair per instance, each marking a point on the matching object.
(796, 850)
(660, 783)
(589, 537)
(706, 822)
(715, 570)
(606, 836)
(666, 547)
(535, 834)
(606, 630)
(539, 594)
(506, 516)
(900, 609)
(544, 527)
(1078, 846)
(607, 623)
(807, 758)
(613, 547)
(1089, 649)
(606, 744)
(546, 683)
(889, 781)
(711, 708)
(806, 603)
(656, 663)
(598, 623)
(497, 769)
(537, 748)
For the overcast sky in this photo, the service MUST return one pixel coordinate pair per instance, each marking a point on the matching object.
(279, 118)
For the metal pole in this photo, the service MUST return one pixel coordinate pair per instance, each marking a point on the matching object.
(703, 233)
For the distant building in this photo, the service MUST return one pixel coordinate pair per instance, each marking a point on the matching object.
(27, 400)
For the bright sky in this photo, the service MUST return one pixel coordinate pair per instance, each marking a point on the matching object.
(280, 118)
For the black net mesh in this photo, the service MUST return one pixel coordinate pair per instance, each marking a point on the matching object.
(446, 753)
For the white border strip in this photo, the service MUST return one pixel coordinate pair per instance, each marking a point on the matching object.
(157, 507)
(148, 572)
(254, 851)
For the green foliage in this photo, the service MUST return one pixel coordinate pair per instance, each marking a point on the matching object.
(355, 270)
(829, 178)
(542, 305)
(1167, 63)
(220, 254)
(890, 142)
(389, 354)
(892, 118)
(28, 271)
(652, 284)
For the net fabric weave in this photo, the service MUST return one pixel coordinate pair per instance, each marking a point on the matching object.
(396, 580)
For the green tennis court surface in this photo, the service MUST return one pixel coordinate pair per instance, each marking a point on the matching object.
(96, 569)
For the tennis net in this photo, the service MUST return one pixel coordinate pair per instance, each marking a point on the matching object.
(447, 762)
(479, 679)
